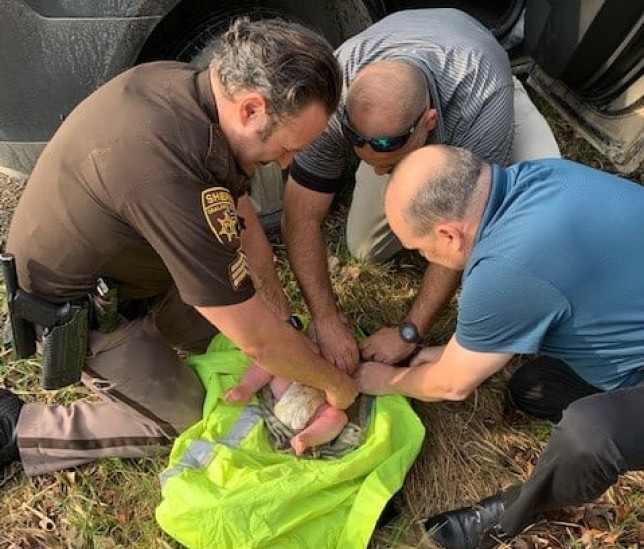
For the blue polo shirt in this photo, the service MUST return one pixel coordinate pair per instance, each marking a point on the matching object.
(557, 268)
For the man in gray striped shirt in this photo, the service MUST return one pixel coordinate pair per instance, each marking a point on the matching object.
(414, 78)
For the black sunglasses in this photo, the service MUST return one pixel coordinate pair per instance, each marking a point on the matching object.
(378, 144)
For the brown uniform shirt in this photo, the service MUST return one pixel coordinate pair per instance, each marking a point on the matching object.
(138, 184)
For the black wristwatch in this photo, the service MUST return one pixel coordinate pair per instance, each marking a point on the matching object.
(295, 321)
(408, 332)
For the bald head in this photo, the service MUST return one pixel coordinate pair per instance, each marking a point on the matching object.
(432, 184)
(390, 92)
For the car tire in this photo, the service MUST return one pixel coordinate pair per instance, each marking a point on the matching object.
(187, 34)
(188, 31)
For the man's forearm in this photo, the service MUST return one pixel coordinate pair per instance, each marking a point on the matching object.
(279, 348)
(436, 289)
(430, 382)
(293, 359)
(454, 376)
(424, 382)
(261, 263)
(307, 254)
(268, 285)
(456, 373)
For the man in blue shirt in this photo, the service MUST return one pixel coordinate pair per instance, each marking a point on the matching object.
(550, 253)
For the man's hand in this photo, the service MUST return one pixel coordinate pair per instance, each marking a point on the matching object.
(428, 355)
(343, 393)
(337, 343)
(375, 378)
(386, 346)
(311, 340)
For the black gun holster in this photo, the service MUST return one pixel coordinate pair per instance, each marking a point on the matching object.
(65, 330)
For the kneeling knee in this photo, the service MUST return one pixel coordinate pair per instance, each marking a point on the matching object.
(587, 438)
(526, 393)
(361, 248)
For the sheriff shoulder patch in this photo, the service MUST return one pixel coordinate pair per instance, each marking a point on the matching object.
(219, 209)
(238, 271)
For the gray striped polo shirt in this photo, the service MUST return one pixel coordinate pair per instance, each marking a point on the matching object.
(468, 75)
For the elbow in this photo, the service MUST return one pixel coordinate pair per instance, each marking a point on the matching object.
(458, 394)
(296, 224)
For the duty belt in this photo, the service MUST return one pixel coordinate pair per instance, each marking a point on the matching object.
(65, 330)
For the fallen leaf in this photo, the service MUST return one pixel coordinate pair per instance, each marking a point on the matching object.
(639, 530)
(596, 517)
(123, 516)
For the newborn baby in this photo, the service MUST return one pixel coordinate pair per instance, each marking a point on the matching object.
(299, 407)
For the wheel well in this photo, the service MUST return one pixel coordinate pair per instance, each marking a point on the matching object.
(192, 24)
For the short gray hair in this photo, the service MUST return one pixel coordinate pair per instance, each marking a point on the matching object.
(446, 193)
(290, 65)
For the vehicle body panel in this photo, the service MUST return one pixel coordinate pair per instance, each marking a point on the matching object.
(53, 53)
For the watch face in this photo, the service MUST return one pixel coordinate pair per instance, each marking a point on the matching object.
(409, 332)
(295, 321)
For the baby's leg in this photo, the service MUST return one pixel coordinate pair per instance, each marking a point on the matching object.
(325, 425)
(254, 379)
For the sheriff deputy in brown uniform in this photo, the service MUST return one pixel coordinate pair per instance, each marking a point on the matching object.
(143, 185)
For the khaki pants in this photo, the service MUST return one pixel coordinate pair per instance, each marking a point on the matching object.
(267, 195)
(368, 233)
(146, 395)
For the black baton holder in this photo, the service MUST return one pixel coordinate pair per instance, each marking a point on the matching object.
(65, 330)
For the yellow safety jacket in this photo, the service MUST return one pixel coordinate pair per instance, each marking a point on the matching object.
(226, 487)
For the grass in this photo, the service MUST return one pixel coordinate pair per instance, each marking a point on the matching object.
(472, 449)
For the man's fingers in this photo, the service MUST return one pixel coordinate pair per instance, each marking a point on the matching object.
(349, 355)
(370, 354)
(420, 359)
(337, 359)
(348, 361)
(364, 346)
(366, 350)
(355, 358)
(341, 363)
(338, 346)
(374, 356)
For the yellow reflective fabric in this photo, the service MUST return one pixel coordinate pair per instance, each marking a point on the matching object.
(247, 495)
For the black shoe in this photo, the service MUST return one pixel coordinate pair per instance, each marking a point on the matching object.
(475, 527)
(10, 406)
